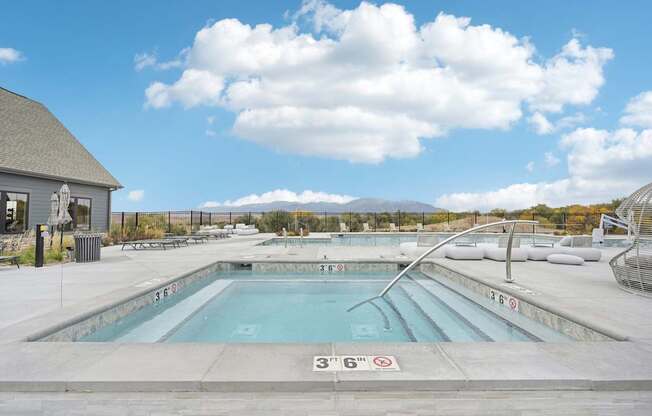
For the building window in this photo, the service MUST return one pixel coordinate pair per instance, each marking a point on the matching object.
(80, 212)
(13, 210)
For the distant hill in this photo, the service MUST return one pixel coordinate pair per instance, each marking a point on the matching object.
(357, 205)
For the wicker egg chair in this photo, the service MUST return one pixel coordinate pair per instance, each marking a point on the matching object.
(633, 267)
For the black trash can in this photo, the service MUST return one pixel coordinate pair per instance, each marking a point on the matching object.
(87, 247)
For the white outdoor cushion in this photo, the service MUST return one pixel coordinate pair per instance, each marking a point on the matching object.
(500, 254)
(565, 259)
(464, 253)
(411, 249)
(541, 253)
(588, 254)
(566, 241)
(246, 231)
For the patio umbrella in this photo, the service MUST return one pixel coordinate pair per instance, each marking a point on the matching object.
(53, 219)
(64, 200)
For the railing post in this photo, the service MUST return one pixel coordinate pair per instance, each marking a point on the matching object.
(399, 220)
(136, 219)
(350, 221)
(325, 227)
(448, 217)
(122, 224)
(191, 221)
(375, 221)
(508, 257)
(423, 219)
(230, 218)
(169, 222)
(201, 218)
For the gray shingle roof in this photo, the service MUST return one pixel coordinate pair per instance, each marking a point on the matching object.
(34, 142)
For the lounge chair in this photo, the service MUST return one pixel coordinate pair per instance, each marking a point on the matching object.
(153, 243)
(344, 228)
(581, 246)
(500, 253)
(392, 227)
(365, 227)
(241, 229)
(10, 259)
(419, 227)
(464, 252)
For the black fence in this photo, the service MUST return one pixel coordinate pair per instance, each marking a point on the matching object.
(554, 221)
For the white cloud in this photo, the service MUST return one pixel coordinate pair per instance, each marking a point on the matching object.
(574, 76)
(530, 167)
(550, 159)
(542, 125)
(369, 84)
(136, 195)
(639, 111)
(147, 59)
(10, 55)
(602, 165)
(282, 195)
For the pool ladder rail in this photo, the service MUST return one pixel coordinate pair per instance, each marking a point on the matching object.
(508, 260)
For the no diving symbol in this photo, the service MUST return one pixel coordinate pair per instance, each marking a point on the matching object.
(340, 267)
(513, 304)
(383, 362)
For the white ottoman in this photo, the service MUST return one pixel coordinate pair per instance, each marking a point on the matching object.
(411, 249)
(500, 254)
(587, 253)
(541, 253)
(565, 259)
(464, 253)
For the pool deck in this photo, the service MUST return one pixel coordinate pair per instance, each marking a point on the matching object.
(30, 301)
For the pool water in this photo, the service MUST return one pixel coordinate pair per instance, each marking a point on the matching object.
(374, 240)
(309, 307)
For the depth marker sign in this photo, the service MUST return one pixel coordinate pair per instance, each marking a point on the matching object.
(355, 363)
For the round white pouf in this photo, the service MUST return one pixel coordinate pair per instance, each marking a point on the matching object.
(565, 259)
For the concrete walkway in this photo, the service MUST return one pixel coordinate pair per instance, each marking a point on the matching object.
(413, 403)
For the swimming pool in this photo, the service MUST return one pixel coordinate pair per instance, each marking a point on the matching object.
(246, 306)
(396, 239)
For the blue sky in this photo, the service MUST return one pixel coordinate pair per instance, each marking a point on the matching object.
(180, 149)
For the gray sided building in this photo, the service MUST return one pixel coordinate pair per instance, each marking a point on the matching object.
(37, 155)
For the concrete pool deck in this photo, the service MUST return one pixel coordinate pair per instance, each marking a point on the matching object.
(29, 300)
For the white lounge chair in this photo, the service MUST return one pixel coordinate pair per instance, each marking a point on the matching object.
(392, 227)
(500, 253)
(581, 246)
(365, 227)
(344, 228)
(246, 229)
(419, 227)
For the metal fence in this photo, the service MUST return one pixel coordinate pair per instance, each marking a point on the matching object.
(182, 222)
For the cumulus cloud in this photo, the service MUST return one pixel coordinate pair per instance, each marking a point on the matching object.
(367, 84)
(530, 166)
(10, 55)
(601, 165)
(282, 195)
(639, 111)
(136, 195)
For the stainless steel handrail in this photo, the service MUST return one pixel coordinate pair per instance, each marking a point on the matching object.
(508, 258)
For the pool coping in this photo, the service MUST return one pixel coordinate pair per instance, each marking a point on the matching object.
(105, 367)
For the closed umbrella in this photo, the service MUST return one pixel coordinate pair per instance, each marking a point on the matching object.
(53, 219)
(64, 200)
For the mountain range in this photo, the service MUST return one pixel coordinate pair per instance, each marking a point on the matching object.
(357, 205)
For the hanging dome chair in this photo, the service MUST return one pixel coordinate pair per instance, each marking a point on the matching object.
(633, 267)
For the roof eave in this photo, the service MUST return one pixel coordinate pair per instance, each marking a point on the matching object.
(112, 186)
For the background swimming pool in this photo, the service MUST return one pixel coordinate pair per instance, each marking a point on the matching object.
(397, 239)
(309, 307)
